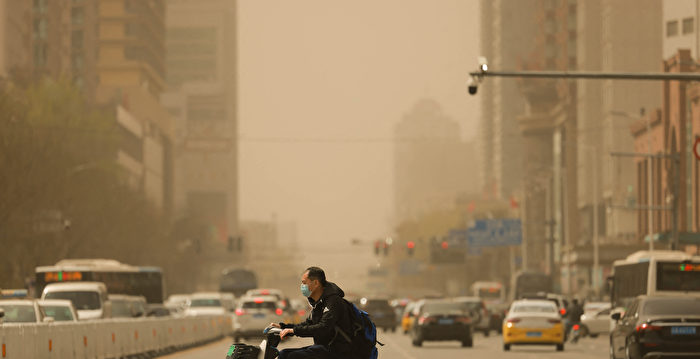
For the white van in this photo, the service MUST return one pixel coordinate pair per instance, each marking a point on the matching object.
(89, 298)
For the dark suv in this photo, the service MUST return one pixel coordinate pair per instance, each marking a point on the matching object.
(442, 320)
(381, 312)
(655, 327)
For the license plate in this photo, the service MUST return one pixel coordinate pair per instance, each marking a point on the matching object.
(445, 321)
(259, 315)
(534, 334)
(683, 330)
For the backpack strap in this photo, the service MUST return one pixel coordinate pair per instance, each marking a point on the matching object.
(342, 332)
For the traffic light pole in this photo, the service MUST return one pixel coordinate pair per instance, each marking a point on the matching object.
(664, 76)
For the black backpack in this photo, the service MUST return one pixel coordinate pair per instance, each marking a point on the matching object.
(363, 336)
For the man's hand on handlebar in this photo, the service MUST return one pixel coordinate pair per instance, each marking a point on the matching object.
(275, 325)
(286, 332)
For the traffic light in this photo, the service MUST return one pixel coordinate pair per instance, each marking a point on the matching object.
(386, 249)
(410, 247)
(376, 248)
(230, 244)
(444, 245)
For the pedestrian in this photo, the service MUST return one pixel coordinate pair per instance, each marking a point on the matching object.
(330, 314)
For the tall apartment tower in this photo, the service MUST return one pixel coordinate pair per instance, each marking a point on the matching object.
(115, 51)
(431, 163)
(201, 66)
(506, 39)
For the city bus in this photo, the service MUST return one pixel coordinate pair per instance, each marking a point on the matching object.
(237, 281)
(118, 277)
(488, 291)
(530, 282)
(654, 273)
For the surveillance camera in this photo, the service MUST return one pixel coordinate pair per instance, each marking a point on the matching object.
(483, 64)
(473, 86)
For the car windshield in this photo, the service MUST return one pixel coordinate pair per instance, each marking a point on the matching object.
(18, 313)
(82, 300)
(443, 307)
(59, 313)
(672, 306)
(534, 308)
(206, 302)
(471, 305)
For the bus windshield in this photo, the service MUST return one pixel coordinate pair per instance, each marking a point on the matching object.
(678, 277)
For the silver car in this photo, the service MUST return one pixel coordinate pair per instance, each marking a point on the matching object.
(254, 314)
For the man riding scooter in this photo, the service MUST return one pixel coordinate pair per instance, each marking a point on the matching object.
(329, 315)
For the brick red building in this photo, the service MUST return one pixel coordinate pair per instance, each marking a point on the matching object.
(673, 129)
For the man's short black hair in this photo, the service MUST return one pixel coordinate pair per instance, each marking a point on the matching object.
(316, 273)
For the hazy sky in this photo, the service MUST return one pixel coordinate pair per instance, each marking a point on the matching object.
(318, 78)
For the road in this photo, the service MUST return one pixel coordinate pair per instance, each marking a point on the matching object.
(398, 346)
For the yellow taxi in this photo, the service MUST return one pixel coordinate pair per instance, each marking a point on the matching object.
(533, 322)
(408, 317)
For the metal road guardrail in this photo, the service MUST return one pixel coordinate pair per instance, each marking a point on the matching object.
(110, 338)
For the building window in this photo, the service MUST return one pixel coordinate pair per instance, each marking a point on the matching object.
(688, 25)
(40, 28)
(77, 62)
(672, 28)
(39, 54)
(40, 6)
(77, 16)
(77, 39)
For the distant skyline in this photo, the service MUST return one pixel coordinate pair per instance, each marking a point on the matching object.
(321, 86)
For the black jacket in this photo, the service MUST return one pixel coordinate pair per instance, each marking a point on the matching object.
(330, 311)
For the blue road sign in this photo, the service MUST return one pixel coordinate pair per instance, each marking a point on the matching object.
(457, 238)
(495, 233)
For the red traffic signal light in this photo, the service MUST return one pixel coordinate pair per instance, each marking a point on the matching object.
(444, 245)
(411, 245)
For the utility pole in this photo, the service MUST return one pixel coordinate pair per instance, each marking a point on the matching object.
(596, 259)
(476, 77)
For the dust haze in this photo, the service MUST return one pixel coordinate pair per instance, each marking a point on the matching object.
(322, 85)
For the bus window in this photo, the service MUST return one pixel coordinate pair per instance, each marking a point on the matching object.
(678, 277)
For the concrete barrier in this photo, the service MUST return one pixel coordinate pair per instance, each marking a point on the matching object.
(111, 338)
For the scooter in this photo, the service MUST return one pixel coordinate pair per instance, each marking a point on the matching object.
(575, 333)
(268, 347)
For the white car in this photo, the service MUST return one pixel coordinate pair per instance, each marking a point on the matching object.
(89, 298)
(254, 314)
(58, 309)
(205, 304)
(128, 306)
(596, 322)
(20, 311)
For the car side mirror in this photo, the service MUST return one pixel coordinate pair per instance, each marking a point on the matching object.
(616, 316)
(48, 320)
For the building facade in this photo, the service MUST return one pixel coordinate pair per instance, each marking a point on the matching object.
(201, 97)
(506, 29)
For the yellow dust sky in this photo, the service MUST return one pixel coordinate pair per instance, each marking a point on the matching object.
(322, 83)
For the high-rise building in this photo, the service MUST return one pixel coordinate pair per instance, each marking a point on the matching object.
(201, 67)
(34, 38)
(680, 27)
(115, 51)
(507, 30)
(432, 165)
(606, 110)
